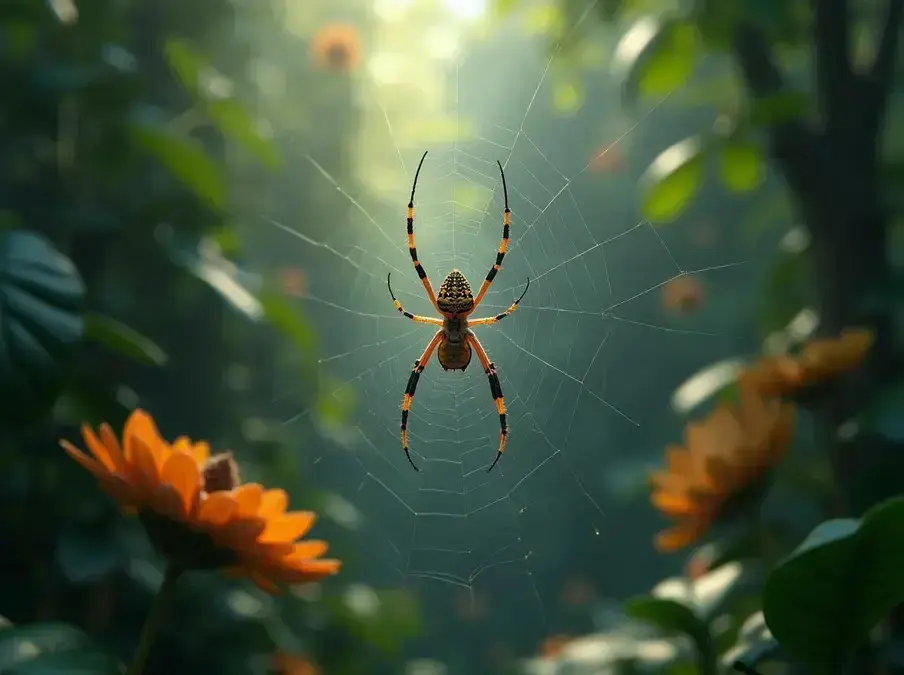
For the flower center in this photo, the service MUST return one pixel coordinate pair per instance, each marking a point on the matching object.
(220, 473)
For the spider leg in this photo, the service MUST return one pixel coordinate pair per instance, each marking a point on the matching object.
(503, 246)
(499, 317)
(417, 318)
(411, 387)
(412, 249)
(496, 390)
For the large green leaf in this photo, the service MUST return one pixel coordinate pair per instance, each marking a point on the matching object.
(742, 164)
(673, 180)
(51, 649)
(185, 158)
(656, 56)
(674, 617)
(237, 125)
(41, 298)
(119, 338)
(822, 602)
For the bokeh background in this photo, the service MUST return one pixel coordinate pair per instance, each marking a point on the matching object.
(229, 178)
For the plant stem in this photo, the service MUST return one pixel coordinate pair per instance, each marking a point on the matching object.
(155, 619)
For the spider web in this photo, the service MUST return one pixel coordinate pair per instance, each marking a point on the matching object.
(581, 362)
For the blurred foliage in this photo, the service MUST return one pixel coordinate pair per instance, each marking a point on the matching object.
(818, 593)
(135, 137)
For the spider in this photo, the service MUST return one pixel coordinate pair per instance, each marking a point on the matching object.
(454, 342)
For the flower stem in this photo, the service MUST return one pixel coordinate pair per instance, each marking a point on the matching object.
(155, 619)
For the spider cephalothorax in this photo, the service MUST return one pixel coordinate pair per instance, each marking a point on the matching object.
(455, 296)
(454, 343)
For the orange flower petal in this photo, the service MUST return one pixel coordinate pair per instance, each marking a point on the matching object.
(139, 426)
(98, 449)
(92, 465)
(182, 472)
(217, 509)
(307, 550)
(201, 452)
(239, 534)
(248, 497)
(309, 570)
(680, 536)
(166, 500)
(675, 505)
(145, 461)
(118, 488)
(108, 438)
(274, 503)
(289, 526)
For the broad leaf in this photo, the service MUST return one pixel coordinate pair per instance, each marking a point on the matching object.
(51, 648)
(237, 125)
(822, 602)
(673, 180)
(184, 158)
(655, 56)
(118, 337)
(673, 617)
(41, 298)
(742, 164)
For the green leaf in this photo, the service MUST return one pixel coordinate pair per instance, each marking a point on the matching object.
(185, 62)
(236, 124)
(752, 652)
(824, 599)
(289, 321)
(119, 338)
(668, 615)
(185, 158)
(568, 97)
(75, 663)
(742, 164)
(41, 298)
(655, 57)
(672, 617)
(20, 645)
(673, 180)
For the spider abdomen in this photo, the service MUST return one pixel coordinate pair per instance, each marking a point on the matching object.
(454, 355)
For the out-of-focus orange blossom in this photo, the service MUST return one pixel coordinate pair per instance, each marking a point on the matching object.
(819, 360)
(552, 647)
(197, 511)
(682, 295)
(337, 46)
(606, 158)
(293, 282)
(725, 458)
(288, 664)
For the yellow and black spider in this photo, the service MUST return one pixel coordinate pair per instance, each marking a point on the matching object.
(454, 341)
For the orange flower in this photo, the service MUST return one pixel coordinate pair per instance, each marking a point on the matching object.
(725, 460)
(552, 647)
(819, 360)
(773, 376)
(337, 46)
(826, 358)
(606, 158)
(286, 664)
(196, 510)
(293, 282)
(682, 295)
